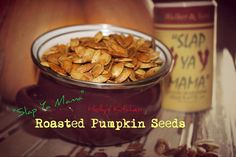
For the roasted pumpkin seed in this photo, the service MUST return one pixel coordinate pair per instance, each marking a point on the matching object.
(97, 70)
(85, 67)
(57, 69)
(152, 71)
(117, 70)
(123, 76)
(98, 37)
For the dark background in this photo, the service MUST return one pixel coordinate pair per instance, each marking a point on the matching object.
(227, 25)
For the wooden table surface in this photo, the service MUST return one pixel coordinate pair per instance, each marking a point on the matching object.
(17, 30)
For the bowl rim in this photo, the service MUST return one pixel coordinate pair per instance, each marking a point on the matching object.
(165, 69)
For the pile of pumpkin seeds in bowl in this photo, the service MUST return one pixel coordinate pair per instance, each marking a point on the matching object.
(115, 58)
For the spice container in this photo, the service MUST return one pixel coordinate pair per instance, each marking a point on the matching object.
(188, 29)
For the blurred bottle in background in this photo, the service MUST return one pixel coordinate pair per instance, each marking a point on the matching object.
(188, 28)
